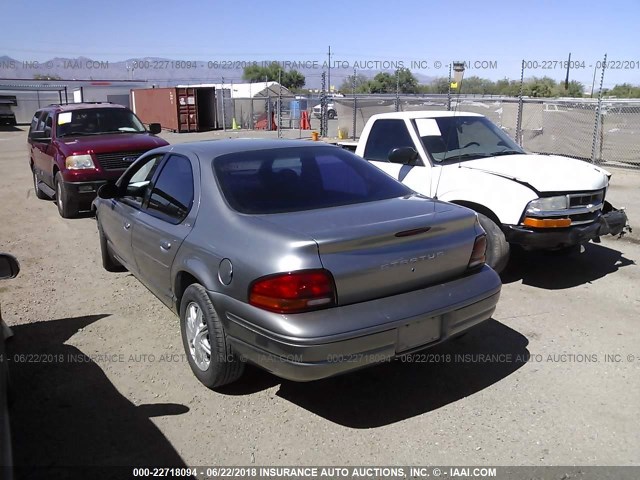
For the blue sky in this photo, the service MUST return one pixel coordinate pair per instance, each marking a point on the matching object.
(502, 31)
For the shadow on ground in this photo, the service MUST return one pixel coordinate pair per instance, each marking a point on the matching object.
(399, 390)
(67, 415)
(554, 271)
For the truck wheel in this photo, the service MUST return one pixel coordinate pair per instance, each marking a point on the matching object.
(67, 206)
(497, 245)
(205, 342)
(109, 263)
(39, 193)
(331, 114)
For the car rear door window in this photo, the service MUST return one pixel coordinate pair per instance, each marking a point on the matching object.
(301, 178)
(172, 194)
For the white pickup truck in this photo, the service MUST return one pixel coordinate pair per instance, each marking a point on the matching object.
(535, 201)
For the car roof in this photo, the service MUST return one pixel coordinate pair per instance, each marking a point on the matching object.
(214, 148)
(425, 114)
(81, 106)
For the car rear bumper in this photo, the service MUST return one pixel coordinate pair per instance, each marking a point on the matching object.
(613, 222)
(361, 334)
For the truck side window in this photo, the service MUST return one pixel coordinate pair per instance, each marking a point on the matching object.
(385, 135)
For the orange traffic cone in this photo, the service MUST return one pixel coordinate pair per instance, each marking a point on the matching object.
(304, 121)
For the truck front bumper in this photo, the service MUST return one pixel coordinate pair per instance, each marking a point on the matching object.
(84, 192)
(612, 222)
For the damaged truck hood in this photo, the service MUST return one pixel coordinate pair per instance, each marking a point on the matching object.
(545, 173)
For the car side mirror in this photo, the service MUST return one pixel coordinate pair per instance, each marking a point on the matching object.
(9, 266)
(155, 128)
(403, 155)
(108, 191)
(41, 135)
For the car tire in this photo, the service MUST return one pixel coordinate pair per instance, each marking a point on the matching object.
(331, 114)
(203, 331)
(39, 193)
(67, 205)
(497, 245)
(109, 263)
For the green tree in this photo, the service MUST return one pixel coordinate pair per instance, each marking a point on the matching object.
(541, 87)
(406, 81)
(576, 89)
(477, 85)
(273, 72)
(624, 90)
(508, 88)
(401, 80)
(293, 80)
(382, 83)
(361, 84)
(440, 85)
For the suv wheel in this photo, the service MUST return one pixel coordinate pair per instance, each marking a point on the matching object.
(39, 193)
(205, 342)
(67, 206)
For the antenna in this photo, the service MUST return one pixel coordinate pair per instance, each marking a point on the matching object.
(458, 68)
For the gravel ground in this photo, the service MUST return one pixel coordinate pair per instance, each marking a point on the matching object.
(100, 376)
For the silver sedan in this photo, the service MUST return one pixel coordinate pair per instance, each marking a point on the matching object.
(299, 257)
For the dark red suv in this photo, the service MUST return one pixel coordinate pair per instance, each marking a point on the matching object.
(75, 148)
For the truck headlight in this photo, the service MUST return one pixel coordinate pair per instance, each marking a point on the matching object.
(79, 162)
(547, 204)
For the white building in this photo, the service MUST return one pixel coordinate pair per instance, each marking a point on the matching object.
(248, 90)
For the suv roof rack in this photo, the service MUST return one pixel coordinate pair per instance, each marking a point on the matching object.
(78, 103)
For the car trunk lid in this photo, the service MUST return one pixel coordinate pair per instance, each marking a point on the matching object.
(382, 248)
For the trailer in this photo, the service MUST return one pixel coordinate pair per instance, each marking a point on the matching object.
(179, 109)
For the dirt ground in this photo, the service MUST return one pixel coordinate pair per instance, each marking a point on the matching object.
(100, 375)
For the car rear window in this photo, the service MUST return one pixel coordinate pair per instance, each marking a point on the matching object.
(300, 178)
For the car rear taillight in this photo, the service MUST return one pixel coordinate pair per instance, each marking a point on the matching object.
(294, 292)
(478, 256)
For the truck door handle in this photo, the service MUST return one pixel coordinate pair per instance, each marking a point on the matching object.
(164, 245)
(127, 225)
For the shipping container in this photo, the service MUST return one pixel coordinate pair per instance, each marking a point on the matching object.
(180, 109)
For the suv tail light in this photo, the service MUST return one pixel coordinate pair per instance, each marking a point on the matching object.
(478, 256)
(294, 292)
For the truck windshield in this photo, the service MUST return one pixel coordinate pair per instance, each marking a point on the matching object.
(462, 138)
(96, 121)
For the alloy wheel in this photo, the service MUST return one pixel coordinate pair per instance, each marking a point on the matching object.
(198, 336)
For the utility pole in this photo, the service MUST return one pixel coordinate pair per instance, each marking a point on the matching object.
(329, 71)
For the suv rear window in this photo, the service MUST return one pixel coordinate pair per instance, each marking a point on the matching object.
(301, 178)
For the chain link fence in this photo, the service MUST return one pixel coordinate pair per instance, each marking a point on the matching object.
(599, 131)
(579, 128)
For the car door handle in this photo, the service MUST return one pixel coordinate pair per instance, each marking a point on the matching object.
(127, 225)
(164, 245)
